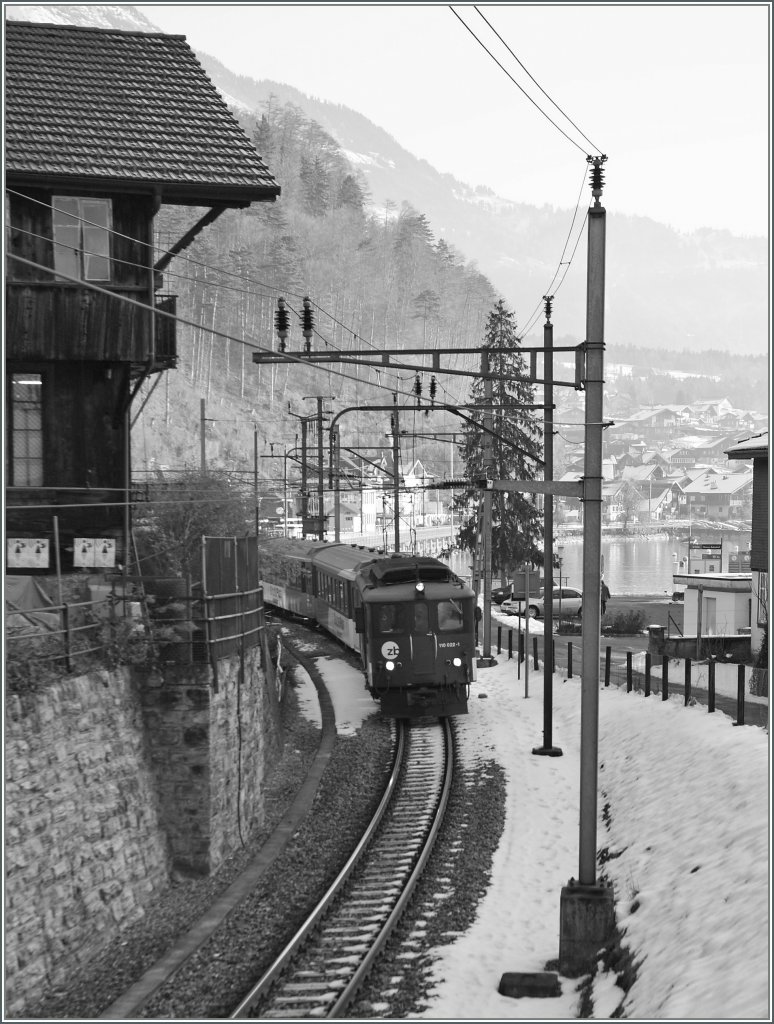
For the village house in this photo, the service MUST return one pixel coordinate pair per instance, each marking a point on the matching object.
(720, 497)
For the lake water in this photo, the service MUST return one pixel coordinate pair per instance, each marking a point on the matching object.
(632, 565)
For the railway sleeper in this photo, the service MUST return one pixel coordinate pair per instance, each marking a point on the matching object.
(313, 986)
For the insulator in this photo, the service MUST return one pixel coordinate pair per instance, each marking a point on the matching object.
(433, 388)
(307, 322)
(281, 322)
(549, 306)
(597, 174)
(418, 386)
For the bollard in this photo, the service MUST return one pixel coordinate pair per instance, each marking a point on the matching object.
(499, 639)
(628, 671)
(510, 644)
(665, 677)
(687, 698)
(535, 652)
(711, 687)
(740, 696)
(607, 666)
(647, 673)
(569, 661)
(521, 646)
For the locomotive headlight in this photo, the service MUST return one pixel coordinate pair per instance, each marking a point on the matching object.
(390, 666)
(457, 662)
(420, 587)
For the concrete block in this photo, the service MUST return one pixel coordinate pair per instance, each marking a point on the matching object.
(532, 985)
(586, 925)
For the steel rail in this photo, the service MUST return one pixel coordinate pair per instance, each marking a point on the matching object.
(276, 969)
(377, 947)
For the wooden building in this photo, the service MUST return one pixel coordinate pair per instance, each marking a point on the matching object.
(102, 128)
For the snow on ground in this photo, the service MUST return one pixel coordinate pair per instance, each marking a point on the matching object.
(688, 801)
(688, 831)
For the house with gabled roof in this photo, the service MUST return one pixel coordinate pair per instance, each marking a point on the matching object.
(720, 497)
(102, 128)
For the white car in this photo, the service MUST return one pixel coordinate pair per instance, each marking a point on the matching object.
(567, 602)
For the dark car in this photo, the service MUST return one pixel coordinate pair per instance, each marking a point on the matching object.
(500, 594)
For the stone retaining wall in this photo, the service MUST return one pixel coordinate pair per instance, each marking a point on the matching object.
(112, 780)
(85, 850)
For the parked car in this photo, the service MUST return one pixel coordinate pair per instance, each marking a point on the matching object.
(567, 600)
(500, 594)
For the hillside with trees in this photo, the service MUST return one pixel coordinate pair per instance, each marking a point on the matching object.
(374, 282)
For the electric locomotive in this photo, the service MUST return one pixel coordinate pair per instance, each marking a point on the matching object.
(410, 618)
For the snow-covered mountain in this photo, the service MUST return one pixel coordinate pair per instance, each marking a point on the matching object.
(692, 292)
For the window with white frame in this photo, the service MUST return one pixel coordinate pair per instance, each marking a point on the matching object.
(82, 237)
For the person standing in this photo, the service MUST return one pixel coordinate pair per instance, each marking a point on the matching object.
(605, 595)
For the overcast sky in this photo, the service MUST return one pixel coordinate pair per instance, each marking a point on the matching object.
(676, 95)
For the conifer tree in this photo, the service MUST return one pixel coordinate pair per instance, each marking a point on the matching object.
(516, 521)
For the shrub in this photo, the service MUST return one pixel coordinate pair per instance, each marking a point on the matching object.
(625, 624)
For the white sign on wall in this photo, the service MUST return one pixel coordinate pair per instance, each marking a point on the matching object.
(27, 553)
(94, 552)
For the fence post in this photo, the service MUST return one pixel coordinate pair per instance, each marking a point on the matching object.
(687, 699)
(711, 686)
(510, 644)
(647, 673)
(739, 695)
(66, 636)
(665, 677)
(499, 639)
(607, 665)
(553, 655)
(521, 647)
(628, 671)
(535, 651)
(569, 660)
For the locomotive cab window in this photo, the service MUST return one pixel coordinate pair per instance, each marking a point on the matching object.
(450, 616)
(389, 618)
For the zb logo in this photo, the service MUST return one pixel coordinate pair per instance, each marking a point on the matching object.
(390, 650)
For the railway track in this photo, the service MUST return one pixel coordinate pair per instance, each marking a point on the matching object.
(321, 969)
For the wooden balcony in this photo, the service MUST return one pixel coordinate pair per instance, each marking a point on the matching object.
(56, 321)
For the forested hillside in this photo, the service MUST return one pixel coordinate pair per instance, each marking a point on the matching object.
(374, 281)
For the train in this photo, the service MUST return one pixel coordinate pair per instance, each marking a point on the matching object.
(410, 619)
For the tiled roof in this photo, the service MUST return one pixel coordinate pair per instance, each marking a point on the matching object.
(127, 108)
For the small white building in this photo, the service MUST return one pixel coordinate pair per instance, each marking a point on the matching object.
(716, 604)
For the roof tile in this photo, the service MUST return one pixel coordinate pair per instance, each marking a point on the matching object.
(84, 102)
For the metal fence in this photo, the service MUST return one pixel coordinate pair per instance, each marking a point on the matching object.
(661, 676)
(133, 620)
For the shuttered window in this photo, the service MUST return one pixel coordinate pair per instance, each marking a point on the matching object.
(82, 237)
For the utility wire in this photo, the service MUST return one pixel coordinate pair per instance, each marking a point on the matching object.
(497, 62)
(507, 47)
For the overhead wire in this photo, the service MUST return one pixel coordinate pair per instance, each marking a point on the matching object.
(507, 47)
(519, 87)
